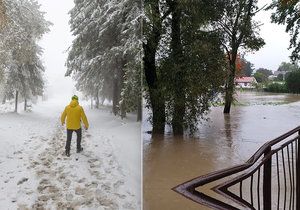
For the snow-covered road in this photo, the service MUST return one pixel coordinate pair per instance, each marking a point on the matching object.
(35, 173)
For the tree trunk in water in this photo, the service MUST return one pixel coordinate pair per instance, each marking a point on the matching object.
(158, 111)
(177, 55)
(157, 100)
(229, 88)
(16, 101)
(25, 104)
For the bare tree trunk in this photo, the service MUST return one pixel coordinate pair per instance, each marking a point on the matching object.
(3, 16)
(16, 101)
(115, 107)
(139, 109)
(123, 110)
(25, 104)
(177, 56)
(4, 99)
(97, 100)
(118, 82)
(91, 102)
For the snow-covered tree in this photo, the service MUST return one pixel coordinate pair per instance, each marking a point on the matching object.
(106, 50)
(22, 65)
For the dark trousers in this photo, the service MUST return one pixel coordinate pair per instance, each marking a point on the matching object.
(69, 137)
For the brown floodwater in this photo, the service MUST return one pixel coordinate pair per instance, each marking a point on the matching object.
(221, 142)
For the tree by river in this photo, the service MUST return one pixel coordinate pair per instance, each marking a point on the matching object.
(184, 64)
(239, 31)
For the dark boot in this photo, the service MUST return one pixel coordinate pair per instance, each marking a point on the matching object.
(79, 150)
(67, 153)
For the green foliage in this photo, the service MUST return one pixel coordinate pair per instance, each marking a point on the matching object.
(293, 82)
(287, 13)
(239, 32)
(279, 77)
(277, 88)
(191, 72)
(260, 77)
(265, 72)
(285, 66)
(247, 68)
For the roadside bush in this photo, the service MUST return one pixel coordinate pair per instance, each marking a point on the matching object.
(293, 82)
(276, 88)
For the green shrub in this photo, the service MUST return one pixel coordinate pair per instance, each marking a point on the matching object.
(276, 88)
(293, 82)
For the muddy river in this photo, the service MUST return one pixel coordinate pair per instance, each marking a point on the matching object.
(221, 142)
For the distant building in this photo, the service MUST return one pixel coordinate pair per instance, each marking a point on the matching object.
(277, 73)
(245, 82)
(272, 77)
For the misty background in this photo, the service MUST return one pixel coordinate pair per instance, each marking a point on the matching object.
(55, 45)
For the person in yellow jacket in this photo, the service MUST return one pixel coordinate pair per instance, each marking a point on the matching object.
(74, 114)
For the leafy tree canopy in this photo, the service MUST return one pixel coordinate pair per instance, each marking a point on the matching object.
(285, 66)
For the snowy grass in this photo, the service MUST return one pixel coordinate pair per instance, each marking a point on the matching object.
(35, 173)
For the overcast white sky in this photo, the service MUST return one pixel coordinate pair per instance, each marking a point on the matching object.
(55, 44)
(59, 39)
(277, 41)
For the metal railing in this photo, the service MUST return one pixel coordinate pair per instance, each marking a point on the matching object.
(270, 179)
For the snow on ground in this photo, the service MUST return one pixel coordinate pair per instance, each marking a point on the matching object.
(35, 174)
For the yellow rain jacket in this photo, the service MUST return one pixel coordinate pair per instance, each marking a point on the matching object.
(74, 113)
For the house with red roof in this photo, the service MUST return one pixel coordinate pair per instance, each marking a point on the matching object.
(245, 82)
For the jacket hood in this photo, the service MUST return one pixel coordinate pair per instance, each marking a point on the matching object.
(74, 103)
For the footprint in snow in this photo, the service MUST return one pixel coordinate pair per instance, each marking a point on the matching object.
(81, 180)
(107, 202)
(118, 184)
(106, 186)
(24, 179)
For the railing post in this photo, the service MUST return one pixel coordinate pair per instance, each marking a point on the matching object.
(267, 181)
(298, 174)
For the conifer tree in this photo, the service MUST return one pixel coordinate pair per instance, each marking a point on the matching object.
(106, 46)
(23, 68)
